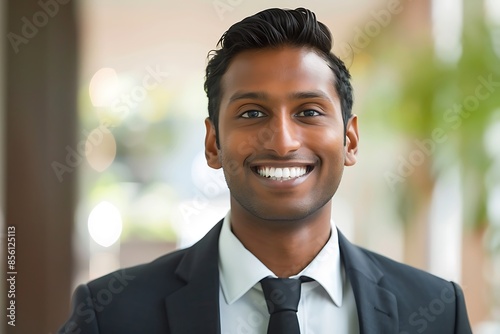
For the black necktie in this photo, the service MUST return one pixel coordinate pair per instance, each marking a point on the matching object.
(282, 298)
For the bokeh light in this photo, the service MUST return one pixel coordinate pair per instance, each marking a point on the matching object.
(105, 224)
(100, 148)
(104, 87)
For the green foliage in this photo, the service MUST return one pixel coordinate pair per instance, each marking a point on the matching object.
(424, 94)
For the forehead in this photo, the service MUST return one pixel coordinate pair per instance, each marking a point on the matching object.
(278, 70)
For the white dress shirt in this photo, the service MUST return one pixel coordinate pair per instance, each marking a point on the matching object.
(326, 304)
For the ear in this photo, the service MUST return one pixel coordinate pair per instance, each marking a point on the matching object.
(212, 153)
(351, 141)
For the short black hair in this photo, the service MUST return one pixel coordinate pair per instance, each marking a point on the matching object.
(272, 28)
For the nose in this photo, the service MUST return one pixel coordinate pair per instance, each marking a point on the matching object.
(283, 135)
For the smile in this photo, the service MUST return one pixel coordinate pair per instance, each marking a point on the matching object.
(282, 174)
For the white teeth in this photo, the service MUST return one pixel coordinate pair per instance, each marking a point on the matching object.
(286, 173)
(281, 173)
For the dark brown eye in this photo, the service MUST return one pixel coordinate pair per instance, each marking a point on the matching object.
(308, 113)
(252, 114)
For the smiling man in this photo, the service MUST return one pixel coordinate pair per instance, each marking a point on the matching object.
(281, 190)
(280, 126)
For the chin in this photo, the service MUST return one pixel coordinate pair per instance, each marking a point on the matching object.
(285, 214)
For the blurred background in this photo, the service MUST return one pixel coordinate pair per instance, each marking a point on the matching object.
(101, 147)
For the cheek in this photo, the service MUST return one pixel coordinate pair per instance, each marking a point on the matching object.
(330, 141)
(231, 157)
(332, 153)
(231, 167)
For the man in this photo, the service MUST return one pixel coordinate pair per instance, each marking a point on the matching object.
(281, 128)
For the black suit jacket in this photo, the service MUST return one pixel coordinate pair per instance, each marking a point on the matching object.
(179, 293)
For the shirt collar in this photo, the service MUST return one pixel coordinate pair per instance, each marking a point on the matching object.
(240, 270)
(326, 268)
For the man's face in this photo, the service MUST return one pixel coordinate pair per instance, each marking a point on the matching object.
(281, 134)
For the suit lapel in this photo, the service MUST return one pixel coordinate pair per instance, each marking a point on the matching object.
(376, 306)
(194, 308)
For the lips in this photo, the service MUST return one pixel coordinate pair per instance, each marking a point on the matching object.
(282, 173)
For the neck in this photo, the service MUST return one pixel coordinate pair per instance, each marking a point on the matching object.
(285, 247)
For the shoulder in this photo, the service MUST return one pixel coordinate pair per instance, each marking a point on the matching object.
(395, 276)
(402, 276)
(420, 294)
(424, 301)
(157, 273)
(129, 300)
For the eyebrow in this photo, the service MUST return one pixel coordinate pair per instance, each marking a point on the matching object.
(249, 95)
(292, 96)
(315, 94)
